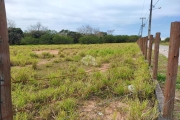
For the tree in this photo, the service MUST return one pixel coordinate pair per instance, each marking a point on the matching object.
(110, 32)
(74, 35)
(57, 39)
(90, 39)
(11, 24)
(167, 39)
(15, 36)
(109, 39)
(87, 30)
(47, 37)
(37, 30)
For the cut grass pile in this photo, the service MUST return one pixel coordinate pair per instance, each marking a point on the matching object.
(58, 86)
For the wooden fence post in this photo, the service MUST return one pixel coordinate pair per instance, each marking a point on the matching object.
(150, 49)
(172, 68)
(145, 47)
(141, 44)
(156, 54)
(5, 86)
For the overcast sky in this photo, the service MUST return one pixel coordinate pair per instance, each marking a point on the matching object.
(123, 16)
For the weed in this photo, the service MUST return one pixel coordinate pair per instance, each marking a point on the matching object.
(33, 55)
(47, 55)
(34, 65)
(68, 59)
(161, 77)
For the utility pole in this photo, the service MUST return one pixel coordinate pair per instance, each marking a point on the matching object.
(150, 18)
(142, 25)
(5, 79)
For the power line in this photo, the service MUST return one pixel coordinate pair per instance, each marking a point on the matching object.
(142, 9)
(139, 31)
(156, 3)
(146, 22)
(142, 25)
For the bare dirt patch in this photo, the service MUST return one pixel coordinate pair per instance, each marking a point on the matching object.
(103, 68)
(54, 52)
(92, 110)
(43, 61)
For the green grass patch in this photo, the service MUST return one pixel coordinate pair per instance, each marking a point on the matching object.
(57, 89)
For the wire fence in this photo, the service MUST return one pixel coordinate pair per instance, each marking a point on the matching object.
(170, 78)
(61, 76)
(15, 111)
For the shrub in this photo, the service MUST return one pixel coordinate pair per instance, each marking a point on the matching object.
(167, 39)
(90, 40)
(57, 39)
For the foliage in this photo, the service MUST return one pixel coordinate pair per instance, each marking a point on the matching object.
(15, 36)
(88, 30)
(90, 40)
(167, 39)
(57, 39)
(109, 39)
(29, 41)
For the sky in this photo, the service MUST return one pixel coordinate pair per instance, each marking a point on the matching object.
(122, 16)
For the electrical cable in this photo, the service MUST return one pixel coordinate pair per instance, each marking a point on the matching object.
(155, 3)
(142, 9)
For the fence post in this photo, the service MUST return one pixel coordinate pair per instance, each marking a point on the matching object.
(156, 54)
(140, 44)
(150, 49)
(172, 68)
(5, 86)
(145, 47)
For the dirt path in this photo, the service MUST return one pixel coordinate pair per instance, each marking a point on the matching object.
(164, 51)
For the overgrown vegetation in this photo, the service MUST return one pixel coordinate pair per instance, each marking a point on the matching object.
(53, 85)
(162, 68)
(38, 34)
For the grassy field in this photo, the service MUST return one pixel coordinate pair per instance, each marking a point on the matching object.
(70, 82)
(164, 43)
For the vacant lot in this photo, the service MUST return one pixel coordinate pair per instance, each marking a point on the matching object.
(103, 81)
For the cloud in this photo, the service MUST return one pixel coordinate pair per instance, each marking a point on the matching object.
(104, 14)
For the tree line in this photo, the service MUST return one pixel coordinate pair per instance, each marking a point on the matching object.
(38, 34)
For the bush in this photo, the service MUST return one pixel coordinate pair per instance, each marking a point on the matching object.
(90, 40)
(29, 40)
(167, 39)
(109, 39)
(57, 39)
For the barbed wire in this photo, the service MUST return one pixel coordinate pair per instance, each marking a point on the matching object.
(172, 98)
(61, 76)
(70, 75)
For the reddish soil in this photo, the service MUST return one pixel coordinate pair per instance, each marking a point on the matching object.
(92, 110)
(103, 68)
(54, 52)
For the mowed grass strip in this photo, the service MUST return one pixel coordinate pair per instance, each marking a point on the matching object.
(81, 74)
